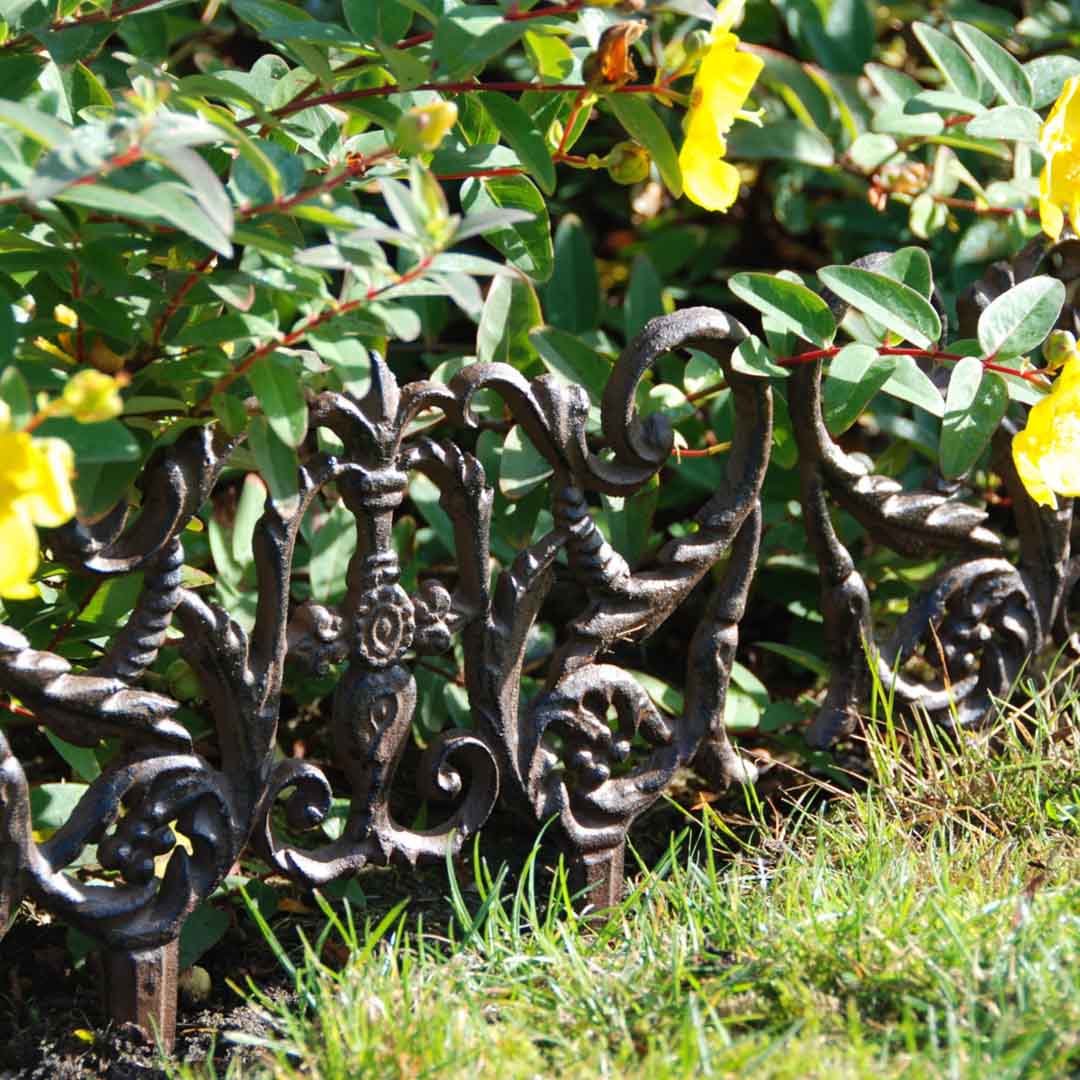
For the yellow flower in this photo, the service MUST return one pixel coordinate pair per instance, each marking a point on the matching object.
(35, 489)
(1047, 451)
(1059, 182)
(92, 396)
(721, 86)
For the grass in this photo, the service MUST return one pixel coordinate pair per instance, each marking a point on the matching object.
(927, 925)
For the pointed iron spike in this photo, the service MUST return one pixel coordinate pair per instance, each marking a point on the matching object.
(380, 403)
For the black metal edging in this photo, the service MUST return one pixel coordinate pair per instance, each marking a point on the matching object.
(557, 759)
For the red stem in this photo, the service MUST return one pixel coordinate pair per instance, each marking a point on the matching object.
(188, 284)
(1036, 376)
(305, 328)
(113, 15)
(453, 88)
(513, 15)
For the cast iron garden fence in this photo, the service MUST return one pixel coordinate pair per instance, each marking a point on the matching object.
(591, 750)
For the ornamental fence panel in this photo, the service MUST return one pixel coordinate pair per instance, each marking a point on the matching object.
(590, 751)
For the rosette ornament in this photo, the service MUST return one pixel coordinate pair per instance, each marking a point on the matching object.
(383, 625)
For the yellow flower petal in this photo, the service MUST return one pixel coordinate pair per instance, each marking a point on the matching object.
(708, 180)
(728, 13)
(19, 543)
(723, 82)
(721, 86)
(1059, 182)
(51, 501)
(1047, 452)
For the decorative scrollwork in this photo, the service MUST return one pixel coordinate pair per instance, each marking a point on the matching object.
(591, 749)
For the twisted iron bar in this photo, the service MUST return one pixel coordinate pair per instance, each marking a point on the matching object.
(561, 757)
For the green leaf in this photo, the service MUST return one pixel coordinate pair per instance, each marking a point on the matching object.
(14, 391)
(974, 405)
(741, 712)
(82, 759)
(201, 931)
(791, 306)
(944, 101)
(277, 462)
(1011, 122)
(408, 71)
(467, 37)
(522, 467)
(1048, 75)
(33, 123)
(510, 311)
(999, 68)
(641, 121)
(387, 21)
(897, 307)
(702, 372)
(87, 90)
(94, 444)
(895, 119)
(52, 804)
(663, 695)
(950, 60)
(871, 150)
(855, 375)
(517, 128)
(526, 244)
(630, 520)
(572, 296)
(909, 382)
(1019, 320)
(331, 549)
(785, 140)
(208, 190)
(644, 297)
(550, 56)
(752, 357)
(568, 356)
(910, 266)
(801, 657)
(276, 383)
(166, 200)
(100, 487)
(249, 508)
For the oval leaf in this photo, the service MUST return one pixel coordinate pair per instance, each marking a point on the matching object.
(522, 467)
(855, 375)
(974, 406)
(1019, 320)
(276, 383)
(897, 307)
(790, 306)
(1000, 69)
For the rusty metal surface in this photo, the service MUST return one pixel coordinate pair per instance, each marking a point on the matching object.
(563, 757)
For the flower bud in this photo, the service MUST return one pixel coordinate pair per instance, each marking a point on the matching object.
(91, 396)
(65, 316)
(423, 127)
(695, 43)
(1058, 347)
(628, 163)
